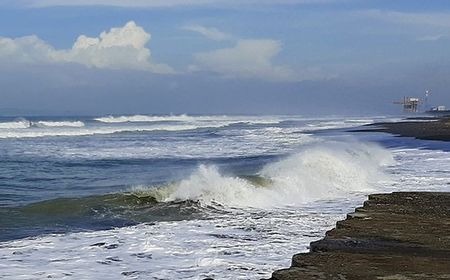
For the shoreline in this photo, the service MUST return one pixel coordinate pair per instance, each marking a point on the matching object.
(400, 235)
(426, 129)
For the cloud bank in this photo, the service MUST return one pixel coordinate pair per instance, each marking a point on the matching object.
(120, 48)
(247, 59)
(125, 48)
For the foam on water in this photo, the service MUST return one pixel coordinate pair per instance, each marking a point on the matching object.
(237, 244)
(251, 223)
(74, 130)
(23, 128)
(321, 171)
(59, 123)
(19, 124)
(142, 118)
(187, 118)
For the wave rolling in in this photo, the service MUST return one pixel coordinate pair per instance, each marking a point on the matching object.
(317, 172)
(324, 171)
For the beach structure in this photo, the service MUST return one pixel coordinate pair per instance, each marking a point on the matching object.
(439, 110)
(410, 104)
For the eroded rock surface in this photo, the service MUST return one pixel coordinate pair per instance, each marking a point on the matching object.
(398, 236)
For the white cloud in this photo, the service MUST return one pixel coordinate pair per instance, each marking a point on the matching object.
(120, 48)
(247, 59)
(28, 49)
(209, 32)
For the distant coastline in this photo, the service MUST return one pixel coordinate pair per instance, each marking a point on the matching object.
(426, 128)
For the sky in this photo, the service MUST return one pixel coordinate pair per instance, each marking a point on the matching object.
(305, 57)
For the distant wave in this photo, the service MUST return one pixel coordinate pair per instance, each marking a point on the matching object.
(15, 124)
(59, 124)
(23, 123)
(85, 131)
(187, 118)
(261, 121)
(142, 118)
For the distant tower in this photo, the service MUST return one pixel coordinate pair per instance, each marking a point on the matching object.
(410, 104)
(427, 93)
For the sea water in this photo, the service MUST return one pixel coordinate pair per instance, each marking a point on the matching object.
(189, 197)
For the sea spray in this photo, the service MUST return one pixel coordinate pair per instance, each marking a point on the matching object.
(80, 130)
(320, 171)
(142, 118)
(182, 239)
(59, 124)
(327, 170)
(187, 118)
(208, 186)
(17, 124)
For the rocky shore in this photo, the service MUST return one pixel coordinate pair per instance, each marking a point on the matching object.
(426, 129)
(398, 236)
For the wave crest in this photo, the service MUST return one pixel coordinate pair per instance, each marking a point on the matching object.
(315, 173)
(142, 118)
(18, 124)
(225, 120)
(60, 124)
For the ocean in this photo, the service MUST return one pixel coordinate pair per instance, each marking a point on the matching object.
(190, 197)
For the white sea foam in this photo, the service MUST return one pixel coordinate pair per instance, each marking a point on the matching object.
(116, 124)
(335, 124)
(19, 124)
(84, 131)
(322, 171)
(60, 123)
(187, 118)
(142, 118)
(239, 243)
(235, 245)
(78, 128)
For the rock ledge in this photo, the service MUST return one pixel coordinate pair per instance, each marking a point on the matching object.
(402, 235)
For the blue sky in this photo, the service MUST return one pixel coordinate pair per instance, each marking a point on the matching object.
(239, 56)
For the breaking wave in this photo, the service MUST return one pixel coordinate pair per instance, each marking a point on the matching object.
(187, 118)
(318, 172)
(85, 131)
(15, 124)
(143, 118)
(315, 173)
(59, 124)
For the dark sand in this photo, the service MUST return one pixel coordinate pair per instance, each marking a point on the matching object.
(400, 236)
(426, 129)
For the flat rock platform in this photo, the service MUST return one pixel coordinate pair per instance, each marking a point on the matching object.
(397, 236)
